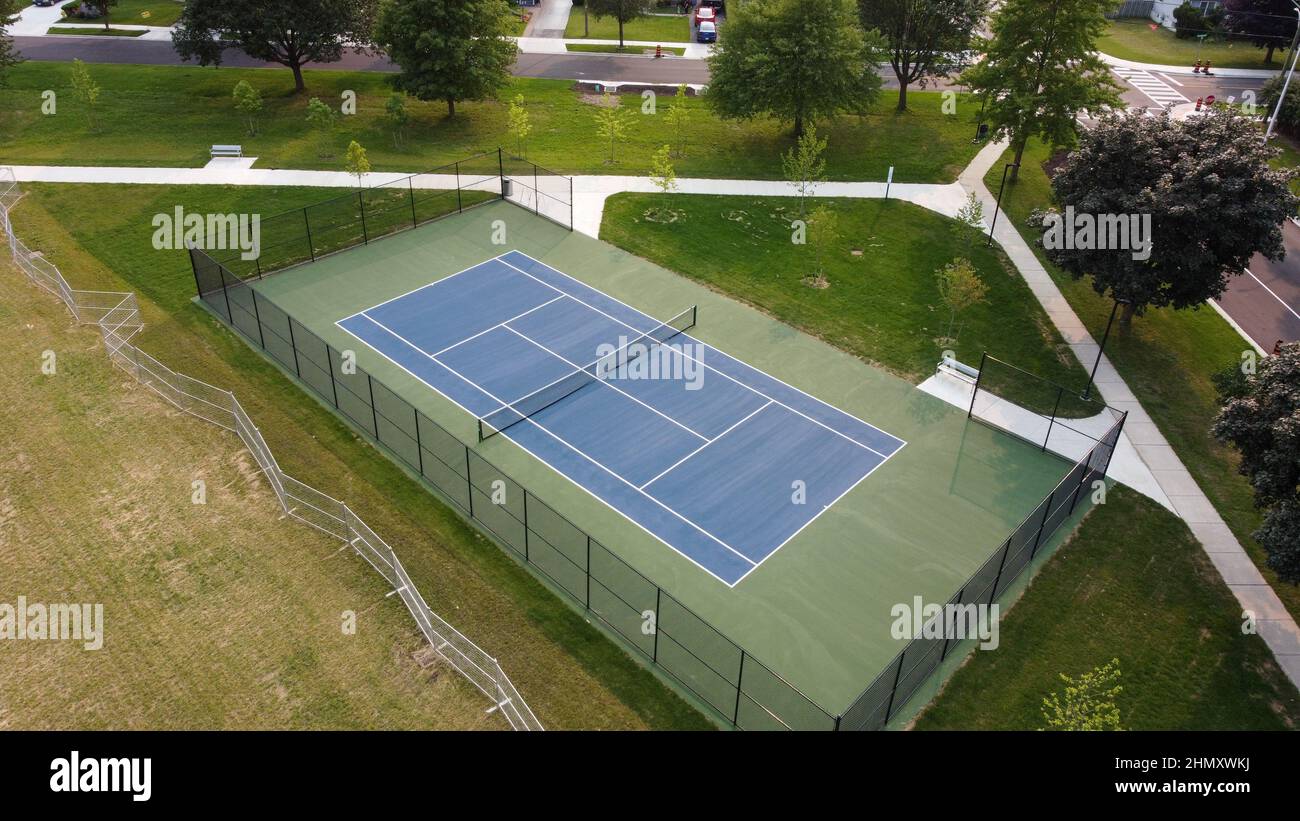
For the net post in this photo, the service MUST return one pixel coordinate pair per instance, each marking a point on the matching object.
(979, 375)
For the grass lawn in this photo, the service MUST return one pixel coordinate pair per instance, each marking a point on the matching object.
(609, 49)
(882, 306)
(97, 32)
(571, 675)
(224, 615)
(144, 12)
(674, 29)
(1167, 360)
(171, 116)
(1131, 584)
(1134, 40)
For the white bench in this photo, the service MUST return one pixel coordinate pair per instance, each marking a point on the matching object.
(227, 151)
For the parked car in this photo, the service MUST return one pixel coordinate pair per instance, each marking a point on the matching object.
(719, 8)
(44, 2)
(706, 32)
(705, 14)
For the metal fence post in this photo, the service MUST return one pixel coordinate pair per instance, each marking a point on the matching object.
(225, 293)
(521, 487)
(654, 655)
(459, 206)
(740, 677)
(329, 355)
(587, 604)
(570, 203)
(1052, 419)
(537, 193)
(374, 413)
(410, 188)
(293, 346)
(361, 205)
(893, 689)
(501, 174)
(469, 482)
(311, 246)
(1038, 537)
(1006, 551)
(979, 375)
(257, 317)
(419, 446)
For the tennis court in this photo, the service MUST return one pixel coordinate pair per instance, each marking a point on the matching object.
(718, 460)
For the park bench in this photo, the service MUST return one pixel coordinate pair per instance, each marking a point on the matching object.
(227, 151)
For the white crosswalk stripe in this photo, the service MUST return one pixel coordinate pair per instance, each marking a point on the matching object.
(1160, 92)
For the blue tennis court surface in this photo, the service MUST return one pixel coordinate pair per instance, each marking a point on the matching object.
(718, 460)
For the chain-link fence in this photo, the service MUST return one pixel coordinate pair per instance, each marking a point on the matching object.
(118, 318)
(737, 688)
(362, 216)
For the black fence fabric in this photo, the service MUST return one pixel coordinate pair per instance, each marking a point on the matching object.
(738, 688)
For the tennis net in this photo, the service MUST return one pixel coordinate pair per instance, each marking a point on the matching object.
(604, 367)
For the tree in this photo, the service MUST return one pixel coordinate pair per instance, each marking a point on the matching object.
(960, 287)
(662, 173)
(397, 116)
(452, 50)
(970, 218)
(1189, 21)
(612, 121)
(8, 54)
(1263, 424)
(1041, 70)
(321, 118)
(357, 163)
(823, 229)
(1088, 702)
(679, 118)
(85, 89)
(248, 101)
(624, 11)
(1288, 118)
(804, 166)
(519, 126)
(290, 34)
(1202, 187)
(795, 60)
(1269, 24)
(922, 34)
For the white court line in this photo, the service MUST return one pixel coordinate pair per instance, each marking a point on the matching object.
(1252, 276)
(496, 258)
(701, 447)
(720, 373)
(546, 462)
(493, 328)
(527, 338)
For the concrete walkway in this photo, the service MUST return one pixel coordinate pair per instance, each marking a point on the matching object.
(1276, 625)
(35, 21)
(1119, 62)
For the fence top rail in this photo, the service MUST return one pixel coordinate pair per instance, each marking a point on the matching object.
(989, 358)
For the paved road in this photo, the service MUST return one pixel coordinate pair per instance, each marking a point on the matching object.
(557, 66)
(1265, 301)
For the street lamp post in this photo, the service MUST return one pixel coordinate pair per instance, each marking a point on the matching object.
(1087, 392)
(1272, 121)
(998, 207)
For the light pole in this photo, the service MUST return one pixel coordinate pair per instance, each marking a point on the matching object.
(1087, 392)
(998, 207)
(1272, 121)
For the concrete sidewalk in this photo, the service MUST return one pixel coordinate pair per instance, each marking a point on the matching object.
(1119, 62)
(1275, 624)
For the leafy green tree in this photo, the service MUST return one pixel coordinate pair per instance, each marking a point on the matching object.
(1088, 702)
(290, 34)
(662, 173)
(8, 54)
(1205, 190)
(679, 120)
(823, 230)
(86, 90)
(519, 126)
(1041, 70)
(795, 60)
(1288, 118)
(1263, 424)
(922, 35)
(804, 165)
(452, 50)
(960, 287)
(321, 118)
(612, 122)
(970, 218)
(1268, 24)
(248, 101)
(397, 116)
(357, 163)
(1189, 21)
(624, 11)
